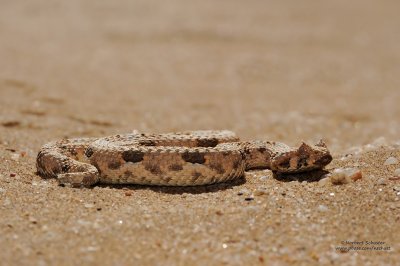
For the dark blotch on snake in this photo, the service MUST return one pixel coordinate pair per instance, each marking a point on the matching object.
(132, 156)
(89, 152)
(217, 167)
(193, 157)
(128, 174)
(196, 175)
(114, 165)
(207, 142)
(147, 143)
(261, 149)
(65, 167)
(153, 168)
(175, 167)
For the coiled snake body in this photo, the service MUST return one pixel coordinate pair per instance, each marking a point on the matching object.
(188, 158)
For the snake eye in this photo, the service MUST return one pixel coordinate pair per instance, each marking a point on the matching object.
(324, 160)
(285, 164)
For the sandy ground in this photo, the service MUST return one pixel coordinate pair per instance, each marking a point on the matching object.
(276, 70)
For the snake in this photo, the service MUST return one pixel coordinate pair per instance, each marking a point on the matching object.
(187, 158)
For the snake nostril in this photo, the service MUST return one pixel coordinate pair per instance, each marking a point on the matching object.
(303, 162)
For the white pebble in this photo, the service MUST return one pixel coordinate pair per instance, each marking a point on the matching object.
(89, 205)
(6, 202)
(263, 178)
(323, 181)
(397, 172)
(369, 147)
(32, 220)
(322, 208)
(391, 160)
(381, 181)
(381, 141)
(15, 157)
(345, 175)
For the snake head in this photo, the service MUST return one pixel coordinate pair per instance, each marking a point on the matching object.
(305, 158)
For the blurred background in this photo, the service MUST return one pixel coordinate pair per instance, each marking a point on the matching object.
(278, 70)
(274, 70)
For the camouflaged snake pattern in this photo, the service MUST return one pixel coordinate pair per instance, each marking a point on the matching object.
(188, 158)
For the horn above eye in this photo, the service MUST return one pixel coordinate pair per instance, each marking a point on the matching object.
(321, 143)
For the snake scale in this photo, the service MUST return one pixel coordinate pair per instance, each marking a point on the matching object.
(187, 158)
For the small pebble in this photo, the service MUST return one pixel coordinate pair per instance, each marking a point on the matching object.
(32, 220)
(381, 141)
(249, 198)
(128, 193)
(263, 178)
(345, 175)
(6, 202)
(397, 172)
(322, 208)
(381, 182)
(369, 147)
(89, 205)
(242, 192)
(13, 175)
(338, 177)
(259, 192)
(15, 157)
(323, 181)
(355, 175)
(391, 160)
